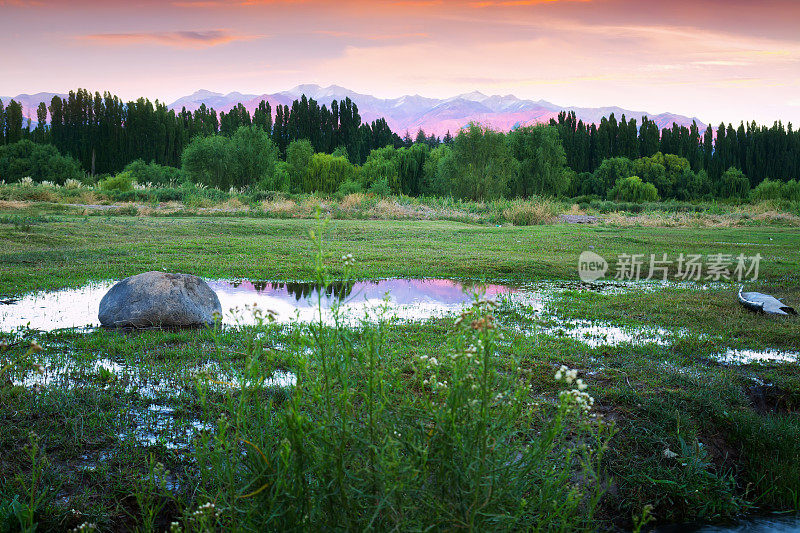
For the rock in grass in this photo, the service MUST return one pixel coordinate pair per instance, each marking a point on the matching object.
(159, 299)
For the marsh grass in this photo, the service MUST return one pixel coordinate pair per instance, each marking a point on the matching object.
(238, 452)
(368, 441)
(530, 213)
(191, 199)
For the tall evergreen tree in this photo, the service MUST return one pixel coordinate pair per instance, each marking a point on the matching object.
(13, 122)
(2, 123)
(40, 133)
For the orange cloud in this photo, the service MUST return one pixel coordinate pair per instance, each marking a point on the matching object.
(417, 3)
(517, 3)
(176, 39)
(232, 3)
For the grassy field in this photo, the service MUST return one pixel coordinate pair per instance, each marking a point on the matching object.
(57, 251)
(137, 431)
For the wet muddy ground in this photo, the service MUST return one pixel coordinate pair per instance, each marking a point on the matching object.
(158, 398)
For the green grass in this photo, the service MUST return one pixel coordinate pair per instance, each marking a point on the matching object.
(69, 251)
(733, 429)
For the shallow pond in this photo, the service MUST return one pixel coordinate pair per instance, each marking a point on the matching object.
(409, 299)
(403, 299)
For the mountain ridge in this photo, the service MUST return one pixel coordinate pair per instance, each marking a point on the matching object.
(407, 113)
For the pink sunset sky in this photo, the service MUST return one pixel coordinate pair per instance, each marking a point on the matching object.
(715, 59)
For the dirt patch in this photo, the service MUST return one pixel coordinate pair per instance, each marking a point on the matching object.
(13, 204)
(579, 219)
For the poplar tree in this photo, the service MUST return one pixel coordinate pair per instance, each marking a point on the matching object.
(13, 122)
(2, 123)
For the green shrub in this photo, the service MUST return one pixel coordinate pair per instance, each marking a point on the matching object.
(126, 196)
(380, 188)
(154, 173)
(585, 199)
(349, 187)
(121, 182)
(169, 194)
(42, 162)
(776, 190)
(733, 184)
(633, 189)
(791, 190)
(243, 160)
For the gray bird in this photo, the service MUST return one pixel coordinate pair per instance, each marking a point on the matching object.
(765, 303)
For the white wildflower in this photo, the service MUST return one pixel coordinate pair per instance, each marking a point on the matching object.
(86, 526)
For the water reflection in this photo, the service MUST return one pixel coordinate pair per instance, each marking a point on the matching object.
(409, 299)
(405, 299)
(746, 357)
(299, 289)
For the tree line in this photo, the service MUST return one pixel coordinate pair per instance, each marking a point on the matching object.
(477, 164)
(306, 147)
(760, 152)
(104, 133)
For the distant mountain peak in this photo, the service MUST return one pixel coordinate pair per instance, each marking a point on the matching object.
(439, 115)
(203, 93)
(474, 96)
(408, 112)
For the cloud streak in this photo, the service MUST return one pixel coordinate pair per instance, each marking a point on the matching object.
(716, 59)
(190, 39)
(231, 3)
(517, 3)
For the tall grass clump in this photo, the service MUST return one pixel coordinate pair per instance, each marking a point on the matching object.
(367, 439)
(530, 213)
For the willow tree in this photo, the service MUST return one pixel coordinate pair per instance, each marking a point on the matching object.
(480, 165)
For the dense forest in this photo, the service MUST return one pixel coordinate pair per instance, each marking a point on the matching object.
(104, 133)
(313, 148)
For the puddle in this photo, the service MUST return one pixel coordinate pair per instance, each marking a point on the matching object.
(408, 299)
(101, 373)
(404, 299)
(746, 357)
(596, 334)
(220, 380)
(47, 311)
(159, 425)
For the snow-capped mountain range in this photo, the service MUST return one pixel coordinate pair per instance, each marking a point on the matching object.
(407, 113)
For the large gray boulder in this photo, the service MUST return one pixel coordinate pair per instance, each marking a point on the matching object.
(156, 299)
